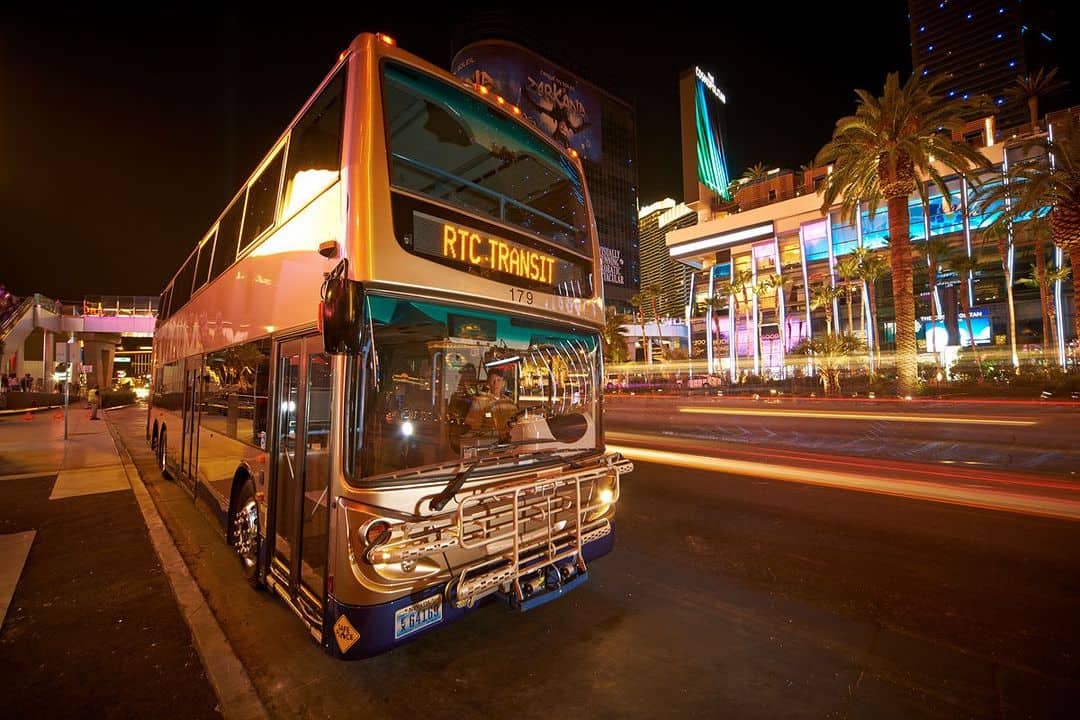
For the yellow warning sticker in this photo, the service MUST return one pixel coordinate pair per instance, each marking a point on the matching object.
(345, 634)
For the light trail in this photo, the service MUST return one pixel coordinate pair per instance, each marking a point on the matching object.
(832, 415)
(951, 493)
(955, 473)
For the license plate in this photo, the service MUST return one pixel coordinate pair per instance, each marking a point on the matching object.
(417, 616)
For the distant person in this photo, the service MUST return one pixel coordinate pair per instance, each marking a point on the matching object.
(28, 383)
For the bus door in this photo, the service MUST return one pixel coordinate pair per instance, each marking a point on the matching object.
(189, 439)
(302, 469)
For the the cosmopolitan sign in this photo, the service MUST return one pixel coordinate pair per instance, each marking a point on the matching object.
(708, 81)
(715, 242)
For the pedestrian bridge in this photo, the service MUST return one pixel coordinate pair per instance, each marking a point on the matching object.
(40, 332)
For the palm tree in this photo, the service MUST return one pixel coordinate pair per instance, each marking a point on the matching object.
(740, 285)
(1032, 187)
(761, 288)
(654, 292)
(936, 250)
(716, 304)
(876, 156)
(638, 300)
(1000, 234)
(1029, 88)
(614, 336)
(1045, 277)
(823, 297)
(1051, 277)
(755, 172)
(780, 286)
(872, 267)
(847, 269)
(965, 266)
(830, 353)
(1038, 229)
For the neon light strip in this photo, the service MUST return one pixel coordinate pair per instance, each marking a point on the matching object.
(720, 240)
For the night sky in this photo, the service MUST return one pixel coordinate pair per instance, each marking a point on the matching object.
(122, 137)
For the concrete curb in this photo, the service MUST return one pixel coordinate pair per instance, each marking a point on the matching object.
(30, 410)
(226, 673)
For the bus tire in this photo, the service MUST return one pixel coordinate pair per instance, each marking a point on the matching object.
(244, 530)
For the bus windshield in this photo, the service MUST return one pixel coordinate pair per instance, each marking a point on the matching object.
(444, 383)
(447, 145)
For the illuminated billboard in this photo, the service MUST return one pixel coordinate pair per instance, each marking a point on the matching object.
(705, 172)
(558, 103)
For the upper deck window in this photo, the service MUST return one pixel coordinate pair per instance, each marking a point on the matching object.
(448, 145)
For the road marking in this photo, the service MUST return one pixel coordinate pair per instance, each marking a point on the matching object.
(72, 483)
(988, 499)
(827, 415)
(14, 548)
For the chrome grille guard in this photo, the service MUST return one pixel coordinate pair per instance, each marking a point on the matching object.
(519, 528)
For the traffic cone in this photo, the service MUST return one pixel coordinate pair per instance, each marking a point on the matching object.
(58, 415)
(28, 416)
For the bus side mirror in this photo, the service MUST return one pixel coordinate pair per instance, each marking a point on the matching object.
(341, 315)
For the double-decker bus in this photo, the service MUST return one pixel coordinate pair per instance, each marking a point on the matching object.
(381, 365)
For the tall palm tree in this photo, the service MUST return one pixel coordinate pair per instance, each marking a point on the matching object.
(872, 267)
(823, 297)
(1051, 277)
(1029, 88)
(1032, 187)
(741, 283)
(614, 336)
(639, 300)
(1045, 278)
(965, 266)
(716, 304)
(1038, 230)
(877, 155)
(847, 269)
(936, 250)
(1000, 234)
(655, 292)
(780, 286)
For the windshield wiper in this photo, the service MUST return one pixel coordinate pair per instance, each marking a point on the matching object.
(440, 500)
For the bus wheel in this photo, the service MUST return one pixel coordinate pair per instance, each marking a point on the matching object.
(245, 532)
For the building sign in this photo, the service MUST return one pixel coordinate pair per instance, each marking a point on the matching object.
(557, 102)
(613, 265)
(470, 247)
(704, 155)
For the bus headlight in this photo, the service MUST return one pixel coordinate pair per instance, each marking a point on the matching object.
(605, 494)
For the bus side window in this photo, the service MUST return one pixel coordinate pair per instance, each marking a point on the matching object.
(314, 154)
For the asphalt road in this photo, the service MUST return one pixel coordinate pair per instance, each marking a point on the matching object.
(726, 596)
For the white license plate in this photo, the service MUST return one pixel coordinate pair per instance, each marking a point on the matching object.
(417, 616)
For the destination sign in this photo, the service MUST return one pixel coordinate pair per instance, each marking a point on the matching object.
(471, 247)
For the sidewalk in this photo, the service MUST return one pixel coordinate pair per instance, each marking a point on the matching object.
(90, 622)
